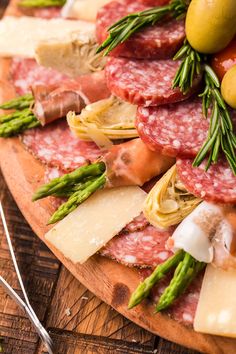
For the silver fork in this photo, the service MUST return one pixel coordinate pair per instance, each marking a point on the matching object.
(43, 334)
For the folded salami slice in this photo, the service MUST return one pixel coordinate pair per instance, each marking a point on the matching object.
(55, 145)
(144, 248)
(160, 41)
(145, 82)
(217, 185)
(174, 130)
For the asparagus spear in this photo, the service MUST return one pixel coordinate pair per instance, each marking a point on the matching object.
(41, 3)
(18, 103)
(69, 180)
(66, 193)
(20, 120)
(186, 271)
(11, 116)
(77, 198)
(15, 126)
(143, 290)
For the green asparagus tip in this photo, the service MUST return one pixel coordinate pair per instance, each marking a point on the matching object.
(69, 180)
(78, 198)
(144, 288)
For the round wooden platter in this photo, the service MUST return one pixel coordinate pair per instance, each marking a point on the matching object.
(110, 281)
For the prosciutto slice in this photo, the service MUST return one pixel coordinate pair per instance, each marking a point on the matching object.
(132, 163)
(55, 101)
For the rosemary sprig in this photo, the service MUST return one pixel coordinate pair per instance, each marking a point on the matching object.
(123, 29)
(221, 137)
(190, 67)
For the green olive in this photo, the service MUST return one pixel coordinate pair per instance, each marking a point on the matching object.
(228, 87)
(210, 24)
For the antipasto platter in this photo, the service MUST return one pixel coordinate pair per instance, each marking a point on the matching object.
(133, 188)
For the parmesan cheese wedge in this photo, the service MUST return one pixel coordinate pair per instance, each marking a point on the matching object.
(216, 311)
(83, 9)
(19, 36)
(95, 222)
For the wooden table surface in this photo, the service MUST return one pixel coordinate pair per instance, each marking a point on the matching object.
(77, 320)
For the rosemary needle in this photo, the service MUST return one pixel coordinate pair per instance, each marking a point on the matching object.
(190, 67)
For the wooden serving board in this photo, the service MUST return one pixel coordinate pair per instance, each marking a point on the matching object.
(111, 282)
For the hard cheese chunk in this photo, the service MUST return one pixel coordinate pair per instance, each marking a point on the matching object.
(83, 9)
(95, 222)
(216, 311)
(19, 36)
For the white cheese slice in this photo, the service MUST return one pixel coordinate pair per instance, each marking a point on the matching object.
(83, 9)
(19, 36)
(216, 311)
(95, 222)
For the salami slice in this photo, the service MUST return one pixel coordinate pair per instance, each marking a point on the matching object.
(160, 41)
(184, 308)
(145, 82)
(144, 248)
(217, 185)
(55, 145)
(51, 173)
(138, 224)
(26, 72)
(47, 12)
(155, 2)
(42, 12)
(174, 130)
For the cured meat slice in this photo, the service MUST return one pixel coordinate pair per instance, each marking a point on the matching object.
(138, 224)
(43, 12)
(145, 82)
(132, 163)
(145, 248)
(56, 146)
(160, 41)
(47, 12)
(26, 72)
(55, 101)
(174, 130)
(51, 173)
(184, 308)
(155, 2)
(217, 185)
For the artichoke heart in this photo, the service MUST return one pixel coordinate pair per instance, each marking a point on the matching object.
(74, 55)
(168, 203)
(111, 118)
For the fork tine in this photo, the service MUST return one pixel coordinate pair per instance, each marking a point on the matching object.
(26, 306)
